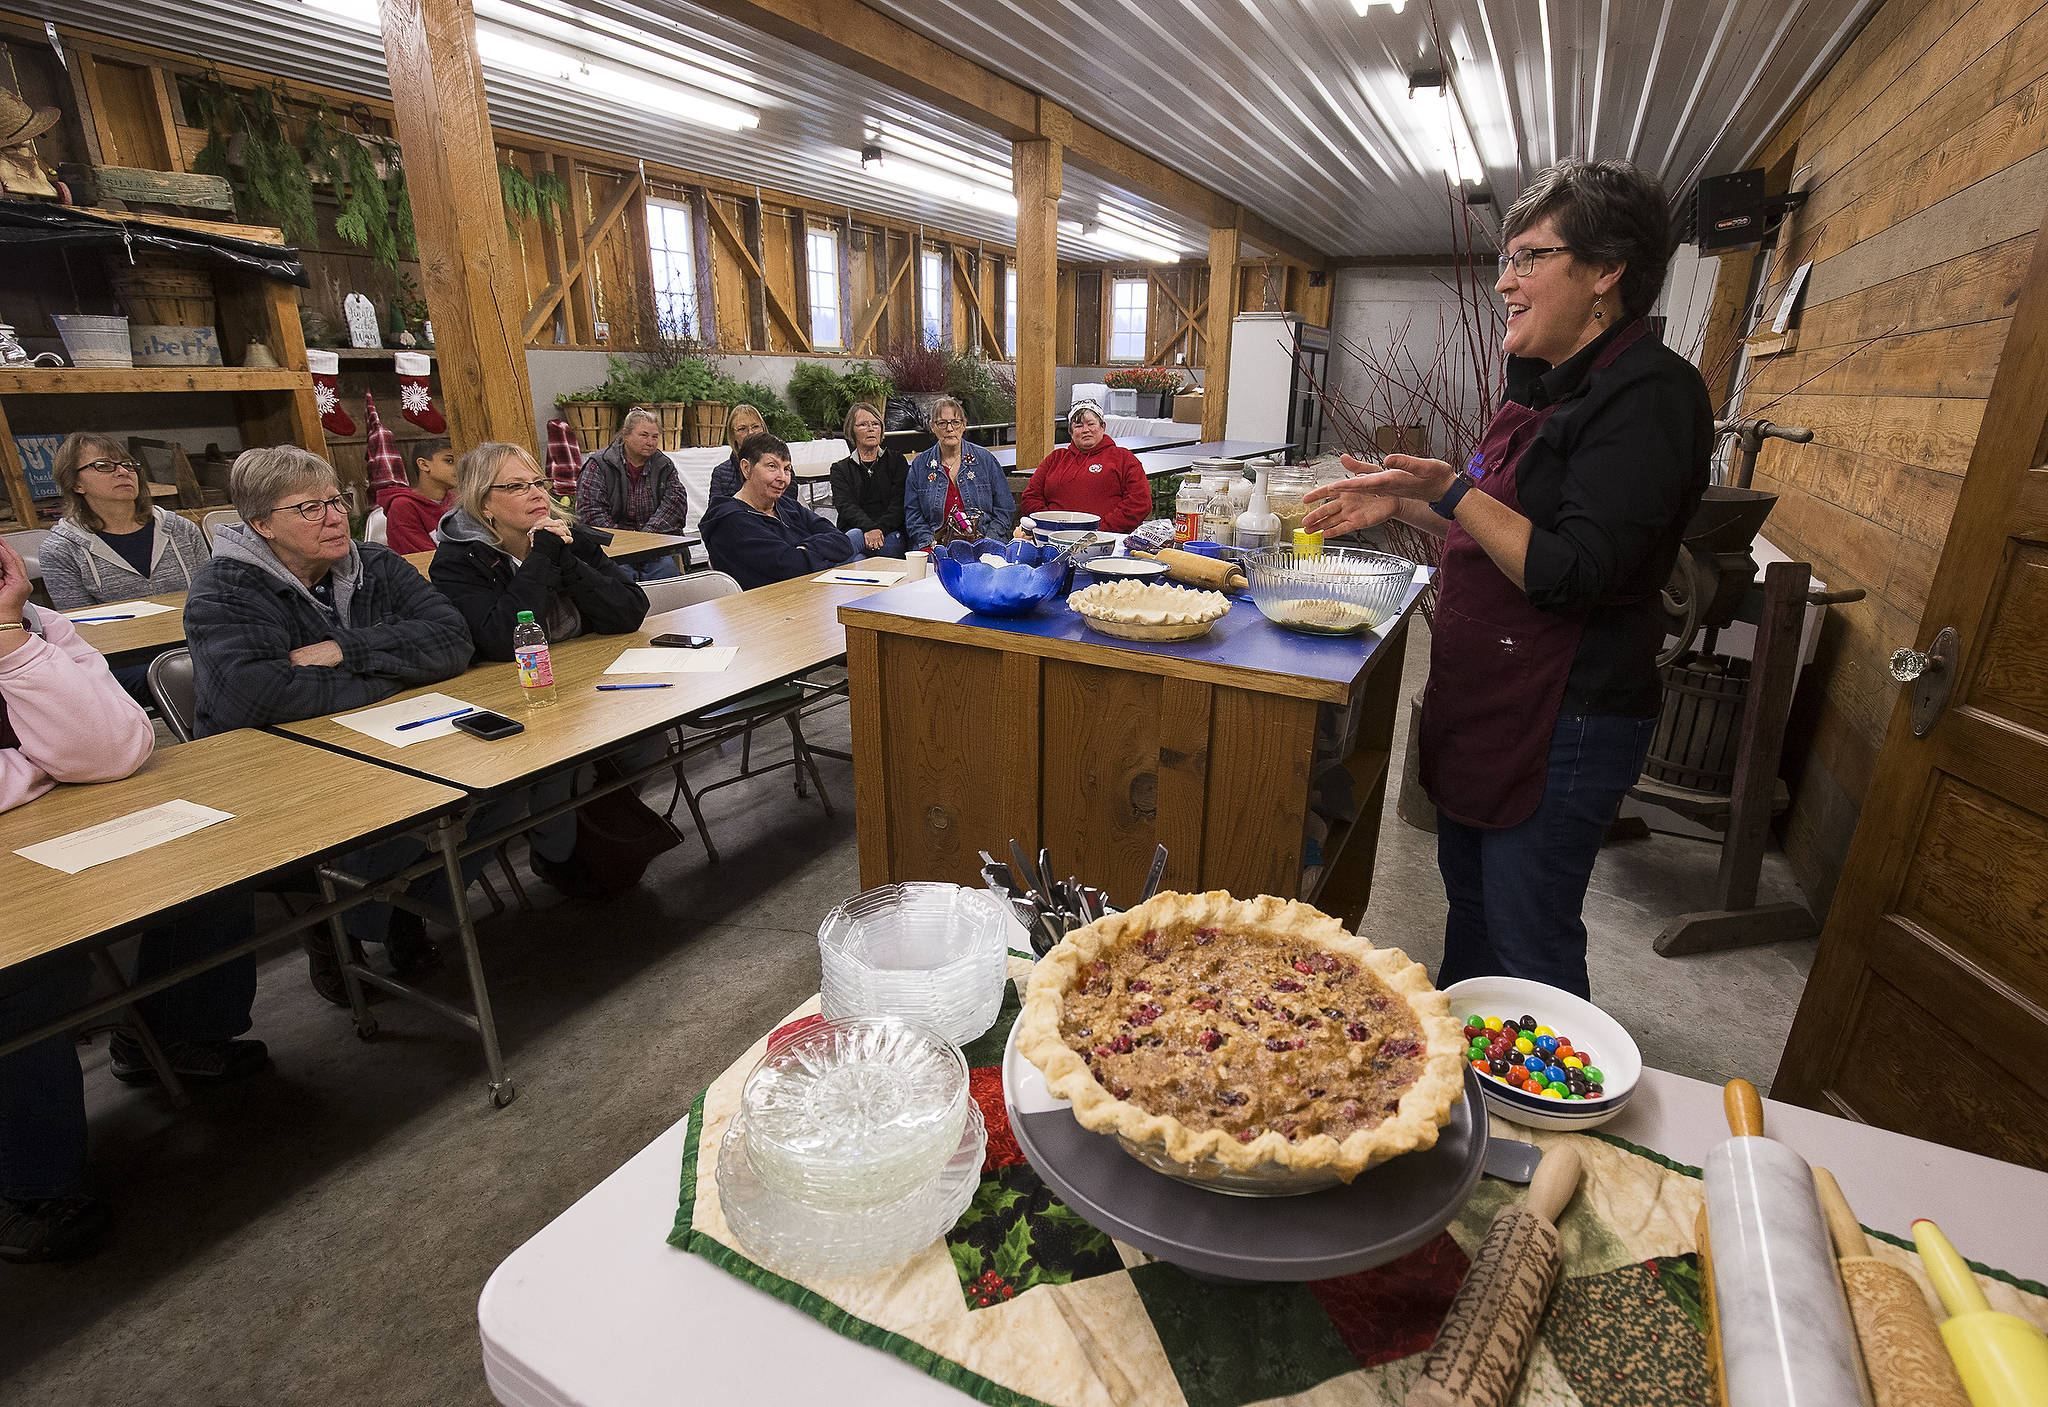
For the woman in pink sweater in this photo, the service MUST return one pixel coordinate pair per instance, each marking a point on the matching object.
(64, 719)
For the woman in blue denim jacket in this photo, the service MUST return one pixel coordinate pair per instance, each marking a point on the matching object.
(951, 469)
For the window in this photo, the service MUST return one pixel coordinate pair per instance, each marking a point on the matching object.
(1010, 313)
(675, 267)
(823, 249)
(1127, 320)
(931, 277)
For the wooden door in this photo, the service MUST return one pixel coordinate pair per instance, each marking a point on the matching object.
(1927, 1010)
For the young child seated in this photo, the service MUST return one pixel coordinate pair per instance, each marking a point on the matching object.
(412, 514)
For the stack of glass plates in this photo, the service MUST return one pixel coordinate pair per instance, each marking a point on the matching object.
(844, 1115)
(932, 953)
(795, 1238)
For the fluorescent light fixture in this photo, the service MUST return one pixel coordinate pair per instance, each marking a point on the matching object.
(361, 13)
(930, 181)
(1107, 237)
(621, 86)
(1363, 6)
(1448, 135)
(594, 31)
(1136, 228)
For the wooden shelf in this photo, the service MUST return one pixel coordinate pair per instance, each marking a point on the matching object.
(117, 380)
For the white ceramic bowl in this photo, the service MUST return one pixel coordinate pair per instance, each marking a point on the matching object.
(1615, 1054)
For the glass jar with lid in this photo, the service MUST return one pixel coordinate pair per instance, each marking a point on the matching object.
(1286, 486)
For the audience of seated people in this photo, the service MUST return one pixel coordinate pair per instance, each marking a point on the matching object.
(292, 619)
(64, 719)
(505, 549)
(413, 514)
(867, 485)
(631, 484)
(1091, 473)
(955, 481)
(761, 535)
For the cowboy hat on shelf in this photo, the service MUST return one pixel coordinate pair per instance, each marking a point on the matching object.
(21, 123)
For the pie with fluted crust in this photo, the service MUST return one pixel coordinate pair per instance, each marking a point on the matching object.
(1252, 1032)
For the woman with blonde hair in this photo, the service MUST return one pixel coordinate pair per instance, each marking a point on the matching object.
(113, 544)
(506, 548)
(742, 423)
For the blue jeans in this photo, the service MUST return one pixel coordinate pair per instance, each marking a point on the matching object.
(1518, 895)
(660, 569)
(42, 1093)
(892, 543)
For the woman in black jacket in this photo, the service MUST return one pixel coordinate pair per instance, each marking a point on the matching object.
(867, 485)
(505, 550)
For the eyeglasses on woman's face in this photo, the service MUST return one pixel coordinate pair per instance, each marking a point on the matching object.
(1523, 261)
(950, 422)
(522, 486)
(314, 510)
(110, 466)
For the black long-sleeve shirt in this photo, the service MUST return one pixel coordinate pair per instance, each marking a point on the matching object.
(1609, 484)
(869, 496)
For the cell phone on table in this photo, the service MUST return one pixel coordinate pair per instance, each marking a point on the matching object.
(488, 725)
(682, 642)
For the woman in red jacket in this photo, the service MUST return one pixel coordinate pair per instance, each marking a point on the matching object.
(1091, 474)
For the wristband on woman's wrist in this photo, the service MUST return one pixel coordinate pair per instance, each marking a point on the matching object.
(1447, 506)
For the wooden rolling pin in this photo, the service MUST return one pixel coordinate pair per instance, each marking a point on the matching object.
(1786, 1336)
(1717, 1386)
(1895, 1328)
(1490, 1331)
(1197, 570)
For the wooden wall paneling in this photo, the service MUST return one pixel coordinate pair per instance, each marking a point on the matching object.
(1223, 249)
(979, 323)
(1260, 746)
(577, 301)
(79, 70)
(729, 273)
(940, 808)
(1091, 345)
(1021, 731)
(1179, 324)
(1184, 707)
(781, 236)
(633, 228)
(760, 330)
(707, 291)
(1101, 779)
(842, 237)
(871, 771)
(93, 98)
(871, 330)
(165, 103)
(557, 271)
(14, 476)
(132, 117)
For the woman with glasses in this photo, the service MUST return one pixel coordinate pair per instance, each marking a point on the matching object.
(867, 485)
(113, 544)
(1558, 533)
(955, 482)
(292, 619)
(506, 549)
(742, 423)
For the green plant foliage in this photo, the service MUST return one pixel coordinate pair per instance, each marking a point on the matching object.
(398, 200)
(970, 379)
(783, 422)
(1146, 378)
(529, 197)
(274, 167)
(817, 394)
(862, 382)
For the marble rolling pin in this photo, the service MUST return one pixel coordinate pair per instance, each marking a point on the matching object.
(2002, 1359)
(1197, 570)
(1490, 1331)
(1786, 1336)
(1895, 1328)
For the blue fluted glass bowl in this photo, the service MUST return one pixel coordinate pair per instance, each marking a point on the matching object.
(1027, 579)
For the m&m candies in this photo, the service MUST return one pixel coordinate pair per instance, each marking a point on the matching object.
(1532, 1058)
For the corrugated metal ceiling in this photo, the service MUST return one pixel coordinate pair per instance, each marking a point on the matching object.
(1298, 109)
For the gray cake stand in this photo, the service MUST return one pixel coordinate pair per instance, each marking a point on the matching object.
(1386, 1212)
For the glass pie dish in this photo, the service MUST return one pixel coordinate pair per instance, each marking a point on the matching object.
(852, 1113)
(796, 1238)
(932, 953)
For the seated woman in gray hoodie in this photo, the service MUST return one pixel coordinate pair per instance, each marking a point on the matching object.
(292, 619)
(631, 484)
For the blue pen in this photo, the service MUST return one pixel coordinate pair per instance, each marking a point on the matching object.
(863, 580)
(437, 718)
(95, 620)
(615, 688)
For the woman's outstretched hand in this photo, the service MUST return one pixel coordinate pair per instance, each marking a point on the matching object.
(1374, 492)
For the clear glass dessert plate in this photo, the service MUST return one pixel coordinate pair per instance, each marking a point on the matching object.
(931, 953)
(796, 1238)
(854, 1112)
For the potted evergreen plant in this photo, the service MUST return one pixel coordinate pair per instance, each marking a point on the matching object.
(592, 414)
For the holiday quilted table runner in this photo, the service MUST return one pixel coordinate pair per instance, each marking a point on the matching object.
(1024, 1302)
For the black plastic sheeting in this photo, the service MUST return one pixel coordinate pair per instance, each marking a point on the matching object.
(28, 225)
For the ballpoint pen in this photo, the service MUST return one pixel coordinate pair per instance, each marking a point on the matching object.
(863, 580)
(437, 718)
(615, 688)
(95, 620)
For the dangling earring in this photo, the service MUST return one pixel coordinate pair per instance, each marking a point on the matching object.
(1597, 314)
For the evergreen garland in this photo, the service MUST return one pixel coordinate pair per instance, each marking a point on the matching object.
(529, 198)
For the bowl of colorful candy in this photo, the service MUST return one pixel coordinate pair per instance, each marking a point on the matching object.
(1000, 578)
(1545, 1058)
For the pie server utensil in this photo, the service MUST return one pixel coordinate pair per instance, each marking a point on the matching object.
(1512, 1160)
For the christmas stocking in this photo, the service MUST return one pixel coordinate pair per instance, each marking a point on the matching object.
(326, 369)
(415, 401)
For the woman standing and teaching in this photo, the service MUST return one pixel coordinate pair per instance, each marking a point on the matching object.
(1543, 691)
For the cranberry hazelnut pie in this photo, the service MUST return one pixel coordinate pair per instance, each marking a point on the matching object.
(1252, 1032)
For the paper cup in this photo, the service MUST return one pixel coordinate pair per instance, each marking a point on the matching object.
(920, 563)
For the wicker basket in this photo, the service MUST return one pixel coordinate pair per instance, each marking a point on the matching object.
(675, 422)
(596, 423)
(95, 341)
(173, 295)
(707, 423)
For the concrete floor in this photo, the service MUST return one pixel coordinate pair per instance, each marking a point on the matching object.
(320, 1234)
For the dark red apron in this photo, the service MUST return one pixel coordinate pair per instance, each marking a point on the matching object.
(1498, 666)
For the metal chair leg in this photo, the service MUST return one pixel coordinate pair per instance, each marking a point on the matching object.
(806, 762)
(684, 792)
(491, 893)
(504, 854)
(358, 1005)
(139, 1028)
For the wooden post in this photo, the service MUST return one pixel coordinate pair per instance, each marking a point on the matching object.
(1035, 175)
(1223, 247)
(475, 288)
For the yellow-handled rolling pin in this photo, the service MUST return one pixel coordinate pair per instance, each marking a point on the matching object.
(2002, 1358)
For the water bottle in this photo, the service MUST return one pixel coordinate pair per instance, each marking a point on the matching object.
(536, 669)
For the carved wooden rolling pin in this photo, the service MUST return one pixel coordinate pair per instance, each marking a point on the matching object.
(1786, 1336)
(1895, 1328)
(1490, 1331)
(1197, 570)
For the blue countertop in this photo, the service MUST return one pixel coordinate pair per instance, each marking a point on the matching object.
(1243, 640)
